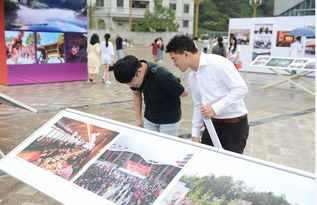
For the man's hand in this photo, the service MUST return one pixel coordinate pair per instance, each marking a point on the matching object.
(139, 123)
(195, 139)
(207, 111)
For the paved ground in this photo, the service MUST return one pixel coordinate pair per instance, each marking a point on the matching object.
(282, 120)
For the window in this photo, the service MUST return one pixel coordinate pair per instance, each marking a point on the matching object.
(173, 6)
(185, 24)
(99, 3)
(119, 3)
(186, 8)
(140, 4)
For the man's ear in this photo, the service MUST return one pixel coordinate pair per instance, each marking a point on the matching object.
(138, 72)
(186, 53)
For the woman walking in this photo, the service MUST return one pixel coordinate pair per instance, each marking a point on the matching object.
(93, 51)
(107, 57)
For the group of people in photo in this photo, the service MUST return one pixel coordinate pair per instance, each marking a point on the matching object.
(107, 180)
(62, 157)
(17, 52)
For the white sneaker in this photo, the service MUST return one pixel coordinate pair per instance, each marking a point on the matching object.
(108, 82)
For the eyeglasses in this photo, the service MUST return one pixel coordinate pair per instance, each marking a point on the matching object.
(132, 82)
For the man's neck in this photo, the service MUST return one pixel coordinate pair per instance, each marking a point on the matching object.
(195, 58)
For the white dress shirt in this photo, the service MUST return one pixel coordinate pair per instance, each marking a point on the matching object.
(219, 84)
(296, 49)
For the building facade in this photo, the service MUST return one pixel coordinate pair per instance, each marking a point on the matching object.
(113, 15)
(294, 8)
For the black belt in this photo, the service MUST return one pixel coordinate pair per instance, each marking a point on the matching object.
(230, 120)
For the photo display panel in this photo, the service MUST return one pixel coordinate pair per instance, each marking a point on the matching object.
(45, 40)
(79, 158)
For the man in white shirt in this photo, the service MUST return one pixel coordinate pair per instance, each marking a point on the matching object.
(217, 91)
(296, 51)
(296, 48)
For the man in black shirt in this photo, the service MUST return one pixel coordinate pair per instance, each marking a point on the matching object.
(119, 42)
(161, 90)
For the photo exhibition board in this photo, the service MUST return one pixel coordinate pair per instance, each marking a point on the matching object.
(79, 158)
(285, 63)
(269, 36)
(41, 46)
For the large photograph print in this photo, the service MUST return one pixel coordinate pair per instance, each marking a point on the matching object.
(242, 35)
(46, 15)
(135, 170)
(20, 47)
(216, 180)
(262, 41)
(76, 46)
(50, 47)
(67, 146)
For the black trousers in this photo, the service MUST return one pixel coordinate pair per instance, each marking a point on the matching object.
(232, 136)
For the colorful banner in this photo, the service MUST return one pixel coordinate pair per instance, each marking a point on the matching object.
(47, 32)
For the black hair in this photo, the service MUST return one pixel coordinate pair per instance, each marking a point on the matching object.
(298, 38)
(220, 41)
(107, 36)
(235, 44)
(125, 69)
(180, 43)
(94, 39)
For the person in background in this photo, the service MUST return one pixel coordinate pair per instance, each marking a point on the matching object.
(107, 57)
(155, 49)
(119, 43)
(125, 46)
(217, 90)
(195, 40)
(233, 51)
(296, 50)
(93, 56)
(215, 41)
(219, 48)
(161, 91)
(206, 43)
(160, 50)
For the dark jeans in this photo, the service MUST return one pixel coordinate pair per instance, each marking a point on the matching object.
(232, 136)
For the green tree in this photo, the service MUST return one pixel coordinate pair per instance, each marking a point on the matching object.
(10, 6)
(61, 37)
(162, 19)
(214, 15)
(30, 38)
(91, 8)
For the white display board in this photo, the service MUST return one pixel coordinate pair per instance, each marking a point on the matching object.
(269, 36)
(78, 158)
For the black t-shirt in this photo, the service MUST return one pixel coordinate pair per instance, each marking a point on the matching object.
(161, 90)
(119, 43)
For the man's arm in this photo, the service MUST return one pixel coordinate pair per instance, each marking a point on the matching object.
(185, 93)
(137, 100)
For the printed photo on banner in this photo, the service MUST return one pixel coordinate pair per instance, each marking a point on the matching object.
(134, 170)
(50, 47)
(67, 147)
(217, 183)
(262, 40)
(76, 46)
(20, 47)
(46, 15)
(283, 39)
(242, 35)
